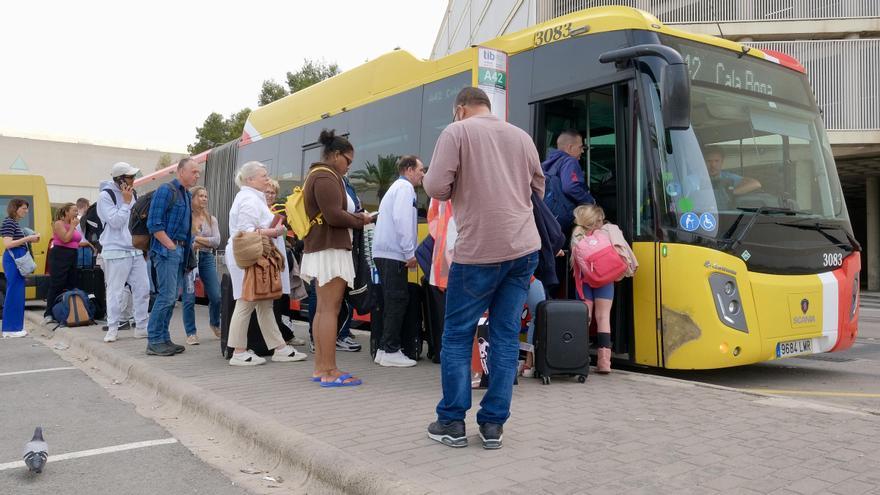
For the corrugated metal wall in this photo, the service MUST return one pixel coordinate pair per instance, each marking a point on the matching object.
(219, 181)
(688, 11)
(842, 79)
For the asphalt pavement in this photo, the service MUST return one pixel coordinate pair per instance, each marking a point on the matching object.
(122, 452)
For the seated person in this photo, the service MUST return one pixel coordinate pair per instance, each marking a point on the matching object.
(731, 182)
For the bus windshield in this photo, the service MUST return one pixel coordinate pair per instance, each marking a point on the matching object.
(758, 147)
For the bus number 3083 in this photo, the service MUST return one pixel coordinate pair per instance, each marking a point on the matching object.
(550, 35)
(832, 259)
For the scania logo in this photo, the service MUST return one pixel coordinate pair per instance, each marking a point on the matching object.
(805, 305)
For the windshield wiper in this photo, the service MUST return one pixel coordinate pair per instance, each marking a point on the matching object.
(822, 227)
(729, 243)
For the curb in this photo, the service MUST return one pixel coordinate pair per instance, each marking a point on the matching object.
(327, 463)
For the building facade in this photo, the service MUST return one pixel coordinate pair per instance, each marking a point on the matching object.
(72, 170)
(837, 41)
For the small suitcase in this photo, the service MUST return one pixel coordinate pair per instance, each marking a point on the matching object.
(90, 279)
(434, 310)
(562, 343)
(255, 339)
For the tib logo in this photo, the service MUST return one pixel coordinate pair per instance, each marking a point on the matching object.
(805, 305)
(487, 55)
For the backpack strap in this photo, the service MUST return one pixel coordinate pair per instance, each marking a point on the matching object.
(110, 192)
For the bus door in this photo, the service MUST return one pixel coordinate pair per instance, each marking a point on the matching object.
(602, 118)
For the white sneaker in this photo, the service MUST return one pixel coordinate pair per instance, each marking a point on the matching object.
(112, 335)
(247, 358)
(296, 341)
(48, 319)
(396, 360)
(15, 335)
(379, 354)
(140, 333)
(288, 354)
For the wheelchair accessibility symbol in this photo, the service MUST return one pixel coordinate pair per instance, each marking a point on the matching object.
(689, 221)
(708, 223)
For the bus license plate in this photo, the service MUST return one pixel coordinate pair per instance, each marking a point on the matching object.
(794, 347)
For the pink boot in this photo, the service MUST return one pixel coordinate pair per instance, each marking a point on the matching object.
(603, 361)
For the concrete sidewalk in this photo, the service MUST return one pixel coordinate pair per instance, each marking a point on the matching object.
(622, 433)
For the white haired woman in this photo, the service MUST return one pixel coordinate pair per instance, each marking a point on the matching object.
(249, 213)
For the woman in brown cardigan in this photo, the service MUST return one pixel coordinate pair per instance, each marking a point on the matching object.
(327, 252)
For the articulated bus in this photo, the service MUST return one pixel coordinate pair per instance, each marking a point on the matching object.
(726, 279)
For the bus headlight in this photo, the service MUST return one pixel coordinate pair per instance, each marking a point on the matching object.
(728, 301)
(854, 298)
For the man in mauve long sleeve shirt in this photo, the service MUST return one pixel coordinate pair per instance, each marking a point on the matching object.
(488, 169)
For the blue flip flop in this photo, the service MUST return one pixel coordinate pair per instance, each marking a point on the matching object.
(340, 382)
(316, 378)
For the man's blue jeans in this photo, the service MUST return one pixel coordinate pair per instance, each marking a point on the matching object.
(211, 283)
(472, 289)
(169, 283)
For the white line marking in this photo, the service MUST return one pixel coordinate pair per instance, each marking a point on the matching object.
(89, 453)
(36, 371)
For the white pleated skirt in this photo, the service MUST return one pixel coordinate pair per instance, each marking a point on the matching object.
(326, 265)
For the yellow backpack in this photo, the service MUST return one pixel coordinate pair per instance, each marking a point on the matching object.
(299, 221)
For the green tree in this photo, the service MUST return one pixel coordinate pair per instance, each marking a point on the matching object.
(217, 130)
(164, 160)
(271, 91)
(380, 175)
(312, 71)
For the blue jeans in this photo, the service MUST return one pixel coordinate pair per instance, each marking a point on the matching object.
(169, 266)
(472, 289)
(211, 283)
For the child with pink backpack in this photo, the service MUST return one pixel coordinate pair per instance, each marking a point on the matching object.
(600, 256)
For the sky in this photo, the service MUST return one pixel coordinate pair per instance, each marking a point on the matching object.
(146, 74)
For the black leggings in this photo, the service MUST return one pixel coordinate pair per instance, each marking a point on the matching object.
(62, 269)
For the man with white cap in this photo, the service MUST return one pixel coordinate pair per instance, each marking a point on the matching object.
(122, 262)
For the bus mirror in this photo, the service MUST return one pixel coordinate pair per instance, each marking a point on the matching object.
(675, 80)
(676, 101)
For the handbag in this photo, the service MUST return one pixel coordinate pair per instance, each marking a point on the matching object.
(25, 264)
(247, 248)
(192, 261)
(262, 280)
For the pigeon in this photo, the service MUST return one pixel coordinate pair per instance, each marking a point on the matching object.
(36, 452)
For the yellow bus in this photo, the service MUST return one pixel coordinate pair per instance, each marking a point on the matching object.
(31, 188)
(726, 279)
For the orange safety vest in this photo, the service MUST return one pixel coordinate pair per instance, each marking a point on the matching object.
(441, 226)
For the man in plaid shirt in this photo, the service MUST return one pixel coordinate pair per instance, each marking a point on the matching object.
(170, 222)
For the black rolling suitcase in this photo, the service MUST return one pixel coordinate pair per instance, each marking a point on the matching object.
(562, 340)
(255, 339)
(412, 333)
(90, 279)
(434, 309)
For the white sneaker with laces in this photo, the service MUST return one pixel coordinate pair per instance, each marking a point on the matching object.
(140, 333)
(15, 335)
(112, 335)
(396, 360)
(288, 354)
(246, 358)
(379, 354)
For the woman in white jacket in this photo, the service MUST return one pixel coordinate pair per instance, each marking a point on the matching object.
(249, 213)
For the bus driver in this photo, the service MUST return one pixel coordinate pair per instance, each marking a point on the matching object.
(731, 182)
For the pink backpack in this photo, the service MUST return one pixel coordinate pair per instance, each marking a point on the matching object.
(596, 262)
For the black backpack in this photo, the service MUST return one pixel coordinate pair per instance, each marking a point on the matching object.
(140, 212)
(91, 224)
(363, 297)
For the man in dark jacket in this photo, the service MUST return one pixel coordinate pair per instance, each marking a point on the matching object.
(564, 163)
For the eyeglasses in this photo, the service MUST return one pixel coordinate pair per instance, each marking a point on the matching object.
(455, 113)
(347, 159)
